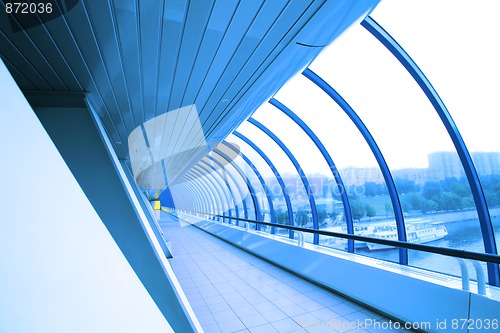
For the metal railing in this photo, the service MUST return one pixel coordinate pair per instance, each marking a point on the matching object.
(460, 255)
(484, 257)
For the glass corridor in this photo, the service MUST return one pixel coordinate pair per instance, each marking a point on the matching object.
(361, 143)
(233, 291)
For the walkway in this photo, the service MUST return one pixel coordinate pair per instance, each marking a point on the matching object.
(231, 290)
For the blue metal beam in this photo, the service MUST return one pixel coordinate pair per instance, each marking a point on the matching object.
(197, 177)
(196, 197)
(199, 182)
(185, 195)
(329, 161)
(474, 182)
(276, 174)
(262, 182)
(230, 197)
(224, 178)
(247, 181)
(301, 173)
(195, 192)
(233, 179)
(220, 190)
(202, 196)
(391, 186)
(203, 193)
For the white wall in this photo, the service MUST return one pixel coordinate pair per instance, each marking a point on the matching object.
(60, 270)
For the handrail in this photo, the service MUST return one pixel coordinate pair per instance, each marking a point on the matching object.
(301, 238)
(464, 273)
(481, 280)
(485, 257)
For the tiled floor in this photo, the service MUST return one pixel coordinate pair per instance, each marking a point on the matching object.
(232, 291)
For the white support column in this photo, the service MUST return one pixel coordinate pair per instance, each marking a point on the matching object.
(61, 271)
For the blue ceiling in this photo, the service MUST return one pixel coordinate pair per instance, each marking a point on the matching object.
(137, 60)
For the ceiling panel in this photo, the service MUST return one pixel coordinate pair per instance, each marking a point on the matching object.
(15, 54)
(21, 78)
(137, 60)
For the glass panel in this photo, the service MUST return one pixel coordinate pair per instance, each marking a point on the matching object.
(313, 165)
(219, 186)
(236, 180)
(250, 207)
(259, 192)
(183, 199)
(428, 175)
(252, 178)
(195, 185)
(466, 75)
(235, 194)
(209, 187)
(362, 178)
(279, 204)
(240, 182)
(198, 203)
(293, 183)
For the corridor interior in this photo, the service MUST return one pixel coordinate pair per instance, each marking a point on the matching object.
(231, 290)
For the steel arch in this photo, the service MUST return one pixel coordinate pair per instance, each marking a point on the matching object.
(198, 178)
(198, 202)
(276, 174)
(262, 182)
(470, 171)
(202, 195)
(391, 186)
(183, 194)
(338, 179)
(223, 175)
(249, 185)
(203, 190)
(240, 191)
(227, 185)
(218, 188)
(301, 173)
(228, 196)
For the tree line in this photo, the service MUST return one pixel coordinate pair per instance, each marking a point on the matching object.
(449, 194)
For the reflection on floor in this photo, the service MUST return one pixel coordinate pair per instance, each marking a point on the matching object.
(231, 290)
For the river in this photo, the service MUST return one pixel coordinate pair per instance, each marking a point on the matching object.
(463, 235)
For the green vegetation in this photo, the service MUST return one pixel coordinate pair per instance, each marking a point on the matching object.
(372, 199)
(281, 216)
(447, 195)
(357, 208)
(370, 211)
(301, 218)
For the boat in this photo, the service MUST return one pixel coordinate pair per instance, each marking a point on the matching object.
(361, 229)
(417, 232)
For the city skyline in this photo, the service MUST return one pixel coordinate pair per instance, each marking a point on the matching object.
(442, 165)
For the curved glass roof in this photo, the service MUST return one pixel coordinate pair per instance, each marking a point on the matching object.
(381, 141)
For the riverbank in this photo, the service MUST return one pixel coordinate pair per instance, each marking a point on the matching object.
(462, 215)
(445, 217)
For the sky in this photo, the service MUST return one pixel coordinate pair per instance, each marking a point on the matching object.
(455, 43)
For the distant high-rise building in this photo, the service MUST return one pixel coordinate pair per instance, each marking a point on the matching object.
(487, 163)
(447, 164)
(359, 176)
(418, 175)
(443, 165)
